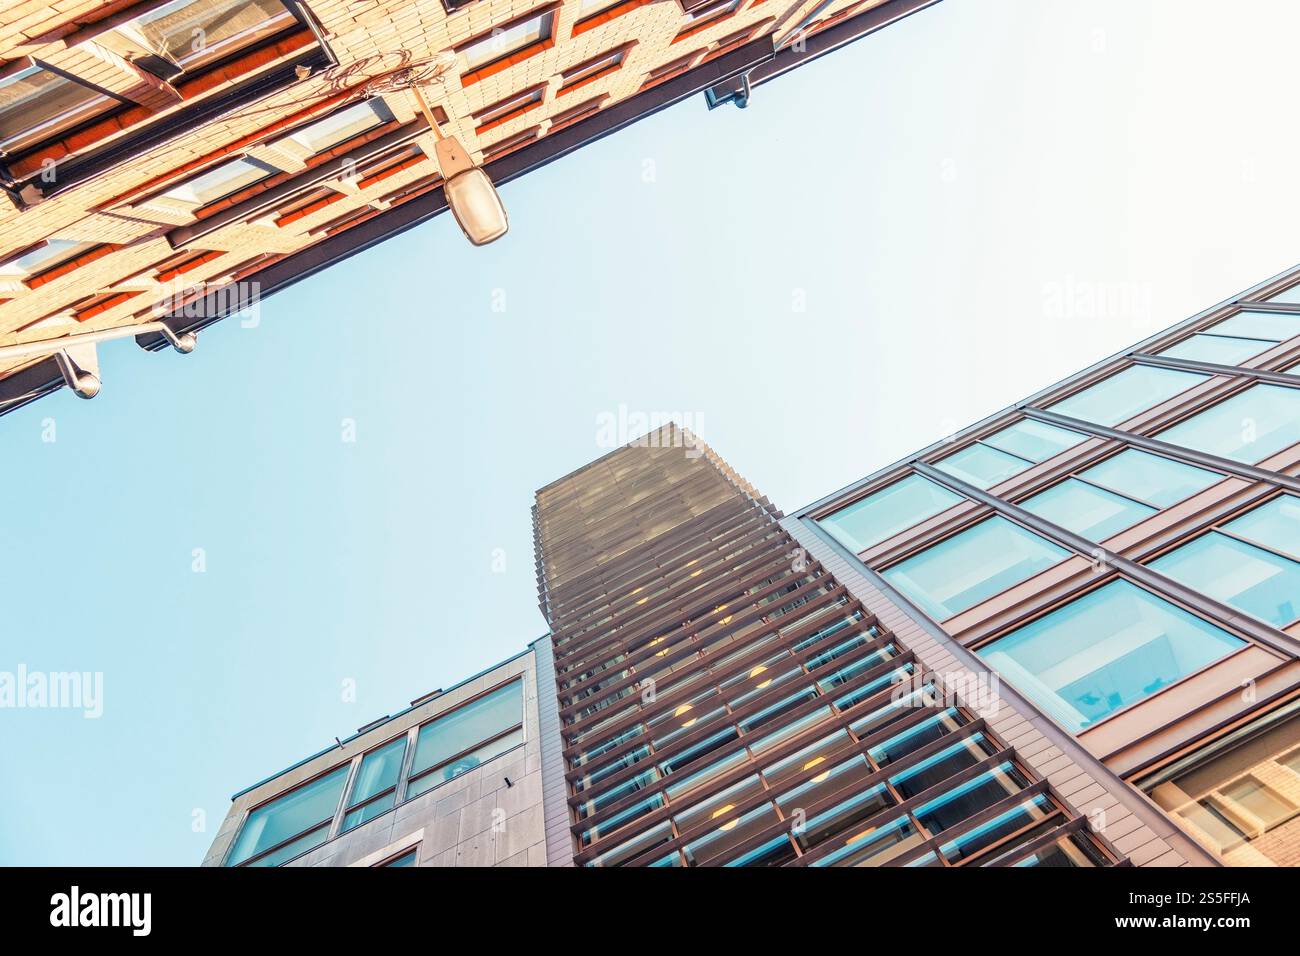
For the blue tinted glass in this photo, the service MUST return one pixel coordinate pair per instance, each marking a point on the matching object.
(887, 512)
(970, 567)
(1086, 510)
(1034, 441)
(1291, 295)
(1249, 427)
(1248, 578)
(1275, 525)
(379, 771)
(310, 805)
(1222, 349)
(1277, 326)
(1125, 394)
(981, 465)
(1150, 478)
(1106, 650)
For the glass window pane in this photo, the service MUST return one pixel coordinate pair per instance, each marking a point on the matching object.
(1033, 440)
(502, 42)
(221, 181)
(459, 731)
(406, 859)
(189, 33)
(891, 510)
(342, 125)
(36, 104)
(1087, 510)
(1291, 295)
(1125, 394)
(379, 771)
(1105, 650)
(1275, 326)
(310, 805)
(1237, 792)
(1248, 578)
(49, 254)
(1221, 349)
(1248, 427)
(1275, 525)
(981, 465)
(967, 568)
(1153, 479)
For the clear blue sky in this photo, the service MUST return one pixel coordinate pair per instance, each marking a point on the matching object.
(931, 193)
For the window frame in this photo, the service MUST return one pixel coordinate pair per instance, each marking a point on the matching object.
(548, 15)
(594, 68)
(409, 775)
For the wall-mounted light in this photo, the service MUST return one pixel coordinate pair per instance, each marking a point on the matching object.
(77, 357)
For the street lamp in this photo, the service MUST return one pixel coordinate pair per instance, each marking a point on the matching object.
(470, 195)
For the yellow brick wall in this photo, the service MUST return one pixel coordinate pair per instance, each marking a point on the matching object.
(369, 37)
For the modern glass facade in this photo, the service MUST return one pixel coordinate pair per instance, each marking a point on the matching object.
(1130, 579)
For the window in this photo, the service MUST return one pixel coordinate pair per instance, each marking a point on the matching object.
(1230, 565)
(43, 257)
(37, 104)
(1248, 427)
(509, 108)
(305, 204)
(1220, 349)
(1108, 649)
(219, 182)
(1269, 326)
(1008, 452)
(1152, 479)
(706, 16)
(581, 111)
(459, 741)
(972, 566)
(887, 512)
(1087, 510)
(1238, 795)
(507, 45)
(291, 824)
(375, 789)
(1290, 296)
(1118, 493)
(404, 859)
(669, 70)
(502, 146)
(186, 35)
(591, 70)
(1123, 395)
(1237, 338)
(342, 125)
(592, 13)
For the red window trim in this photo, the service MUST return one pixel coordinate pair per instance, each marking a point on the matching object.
(510, 59)
(183, 265)
(76, 262)
(606, 15)
(577, 113)
(621, 51)
(513, 114)
(90, 311)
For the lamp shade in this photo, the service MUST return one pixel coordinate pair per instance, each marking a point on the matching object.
(477, 207)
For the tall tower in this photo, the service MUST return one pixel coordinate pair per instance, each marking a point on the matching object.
(723, 699)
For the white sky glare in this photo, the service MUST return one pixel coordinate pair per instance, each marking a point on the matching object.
(887, 245)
